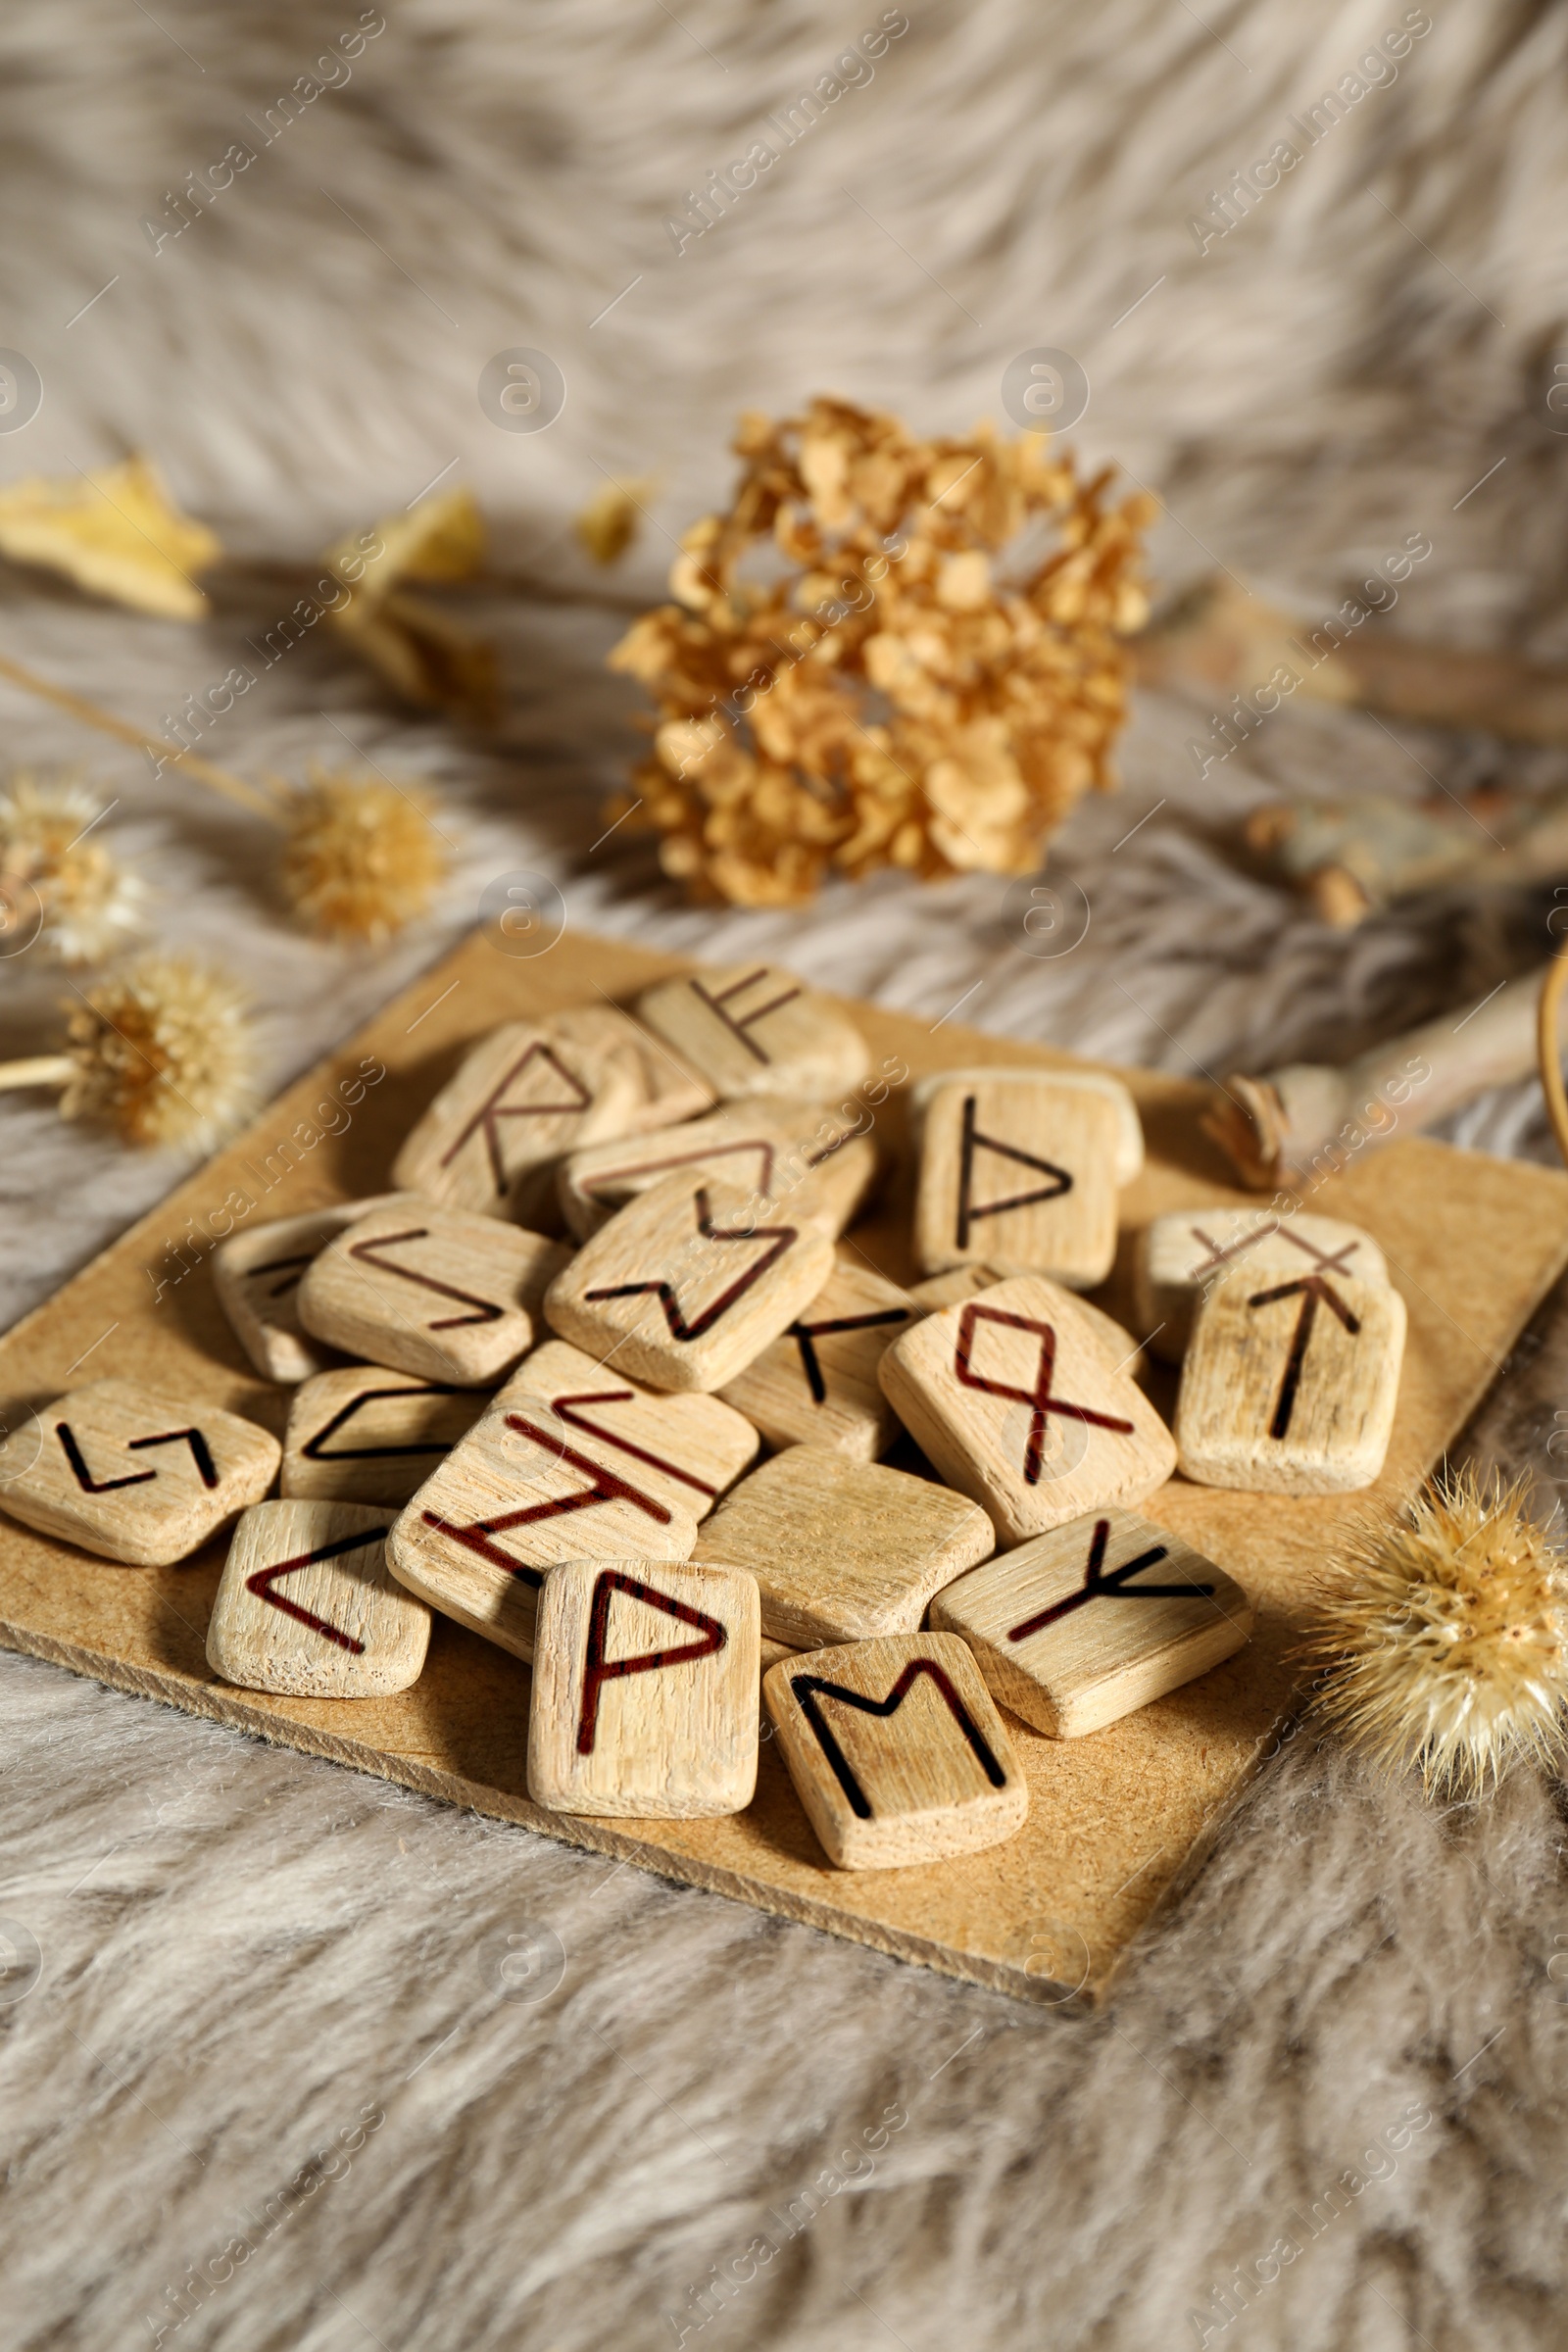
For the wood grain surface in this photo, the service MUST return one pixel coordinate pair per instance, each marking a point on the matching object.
(1117, 1820)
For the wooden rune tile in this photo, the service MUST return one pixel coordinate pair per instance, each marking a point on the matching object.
(1181, 1257)
(490, 1140)
(798, 1155)
(1018, 1400)
(842, 1550)
(685, 1450)
(1129, 1126)
(645, 1691)
(816, 1384)
(132, 1474)
(752, 1029)
(257, 1275)
(526, 1489)
(433, 1290)
(304, 1605)
(895, 1751)
(667, 1089)
(360, 1434)
(688, 1284)
(1291, 1382)
(1022, 1169)
(1080, 1626)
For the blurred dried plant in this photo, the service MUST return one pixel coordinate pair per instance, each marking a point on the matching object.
(425, 655)
(116, 533)
(612, 518)
(363, 859)
(889, 652)
(159, 1054)
(84, 903)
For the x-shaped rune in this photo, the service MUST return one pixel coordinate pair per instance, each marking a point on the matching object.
(1039, 1398)
(1324, 1261)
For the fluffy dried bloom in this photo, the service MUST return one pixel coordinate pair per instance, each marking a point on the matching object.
(1443, 1638)
(163, 1053)
(889, 652)
(361, 857)
(82, 900)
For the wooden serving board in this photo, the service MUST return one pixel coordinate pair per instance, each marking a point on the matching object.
(1117, 1820)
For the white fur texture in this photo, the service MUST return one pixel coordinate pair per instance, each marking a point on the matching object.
(242, 1950)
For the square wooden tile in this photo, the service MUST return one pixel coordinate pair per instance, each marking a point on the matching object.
(1078, 1627)
(816, 1384)
(360, 1434)
(256, 1274)
(683, 1450)
(304, 1605)
(432, 1290)
(645, 1691)
(668, 1089)
(1113, 1090)
(132, 1474)
(754, 1029)
(895, 1751)
(1181, 1257)
(1018, 1168)
(490, 1140)
(802, 1157)
(1018, 1399)
(688, 1283)
(1290, 1383)
(842, 1550)
(523, 1491)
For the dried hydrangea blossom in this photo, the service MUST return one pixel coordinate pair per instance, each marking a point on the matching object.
(889, 652)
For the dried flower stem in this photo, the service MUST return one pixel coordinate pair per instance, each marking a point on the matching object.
(249, 796)
(37, 1069)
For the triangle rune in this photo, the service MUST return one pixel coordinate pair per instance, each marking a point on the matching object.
(972, 1140)
(599, 1669)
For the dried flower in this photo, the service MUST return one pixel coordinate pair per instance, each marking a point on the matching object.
(613, 517)
(116, 533)
(1443, 1638)
(361, 856)
(888, 651)
(162, 1053)
(425, 656)
(88, 904)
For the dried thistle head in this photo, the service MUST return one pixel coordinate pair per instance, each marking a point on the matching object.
(1443, 1638)
(361, 857)
(88, 904)
(163, 1053)
(889, 652)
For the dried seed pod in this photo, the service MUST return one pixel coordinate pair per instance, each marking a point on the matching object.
(362, 858)
(161, 1053)
(1442, 1639)
(84, 903)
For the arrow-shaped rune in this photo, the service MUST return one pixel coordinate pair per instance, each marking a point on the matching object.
(1309, 1289)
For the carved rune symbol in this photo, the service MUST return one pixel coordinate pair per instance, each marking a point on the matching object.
(743, 1027)
(809, 1690)
(972, 1140)
(1324, 1261)
(200, 1451)
(261, 1583)
(1309, 1289)
(316, 1449)
(806, 1334)
(604, 1486)
(1038, 1397)
(566, 1407)
(492, 1109)
(1096, 1586)
(781, 1237)
(291, 1268)
(686, 1160)
(365, 1253)
(599, 1669)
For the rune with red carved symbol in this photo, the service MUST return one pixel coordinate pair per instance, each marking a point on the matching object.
(1018, 1400)
(307, 1607)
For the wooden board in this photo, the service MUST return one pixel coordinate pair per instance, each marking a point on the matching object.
(1116, 1819)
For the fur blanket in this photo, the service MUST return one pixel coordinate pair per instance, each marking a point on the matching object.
(293, 2059)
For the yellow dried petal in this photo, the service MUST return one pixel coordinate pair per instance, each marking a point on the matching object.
(116, 533)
